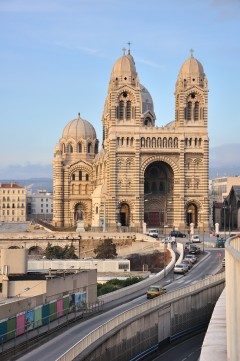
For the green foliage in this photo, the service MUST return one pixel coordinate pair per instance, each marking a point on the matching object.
(115, 284)
(57, 252)
(106, 250)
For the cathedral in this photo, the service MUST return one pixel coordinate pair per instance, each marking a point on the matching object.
(144, 175)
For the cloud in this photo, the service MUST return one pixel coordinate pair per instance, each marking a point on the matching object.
(149, 63)
(90, 51)
(28, 170)
(226, 9)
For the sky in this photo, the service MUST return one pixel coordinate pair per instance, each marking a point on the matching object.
(56, 59)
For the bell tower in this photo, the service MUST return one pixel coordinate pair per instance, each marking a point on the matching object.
(191, 95)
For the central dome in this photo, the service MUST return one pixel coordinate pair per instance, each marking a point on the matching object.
(79, 129)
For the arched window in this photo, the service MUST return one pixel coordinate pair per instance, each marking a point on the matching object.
(148, 142)
(196, 111)
(159, 142)
(143, 142)
(189, 110)
(127, 140)
(154, 142)
(131, 142)
(96, 210)
(80, 175)
(128, 110)
(170, 142)
(96, 148)
(121, 110)
(175, 142)
(79, 147)
(73, 177)
(70, 148)
(147, 121)
(63, 148)
(89, 147)
(87, 177)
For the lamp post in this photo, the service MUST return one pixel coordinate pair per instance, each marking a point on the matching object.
(224, 217)
(229, 219)
(79, 239)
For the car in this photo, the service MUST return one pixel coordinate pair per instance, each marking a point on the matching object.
(179, 268)
(191, 257)
(177, 234)
(194, 249)
(155, 290)
(153, 233)
(187, 244)
(220, 242)
(195, 238)
(188, 263)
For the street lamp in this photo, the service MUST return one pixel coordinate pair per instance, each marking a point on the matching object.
(229, 219)
(224, 217)
(79, 239)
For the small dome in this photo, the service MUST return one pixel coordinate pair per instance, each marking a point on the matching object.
(124, 67)
(147, 102)
(79, 129)
(191, 68)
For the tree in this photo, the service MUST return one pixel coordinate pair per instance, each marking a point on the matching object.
(106, 250)
(69, 252)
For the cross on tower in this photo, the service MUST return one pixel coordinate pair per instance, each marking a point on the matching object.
(191, 52)
(129, 44)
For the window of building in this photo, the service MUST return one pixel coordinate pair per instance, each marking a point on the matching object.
(87, 177)
(128, 110)
(96, 210)
(73, 177)
(79, 147)
(123, 266)
(89, 147)
(121, 110)
(80, 175)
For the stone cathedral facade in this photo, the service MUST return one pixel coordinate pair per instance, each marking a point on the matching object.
(143, 174)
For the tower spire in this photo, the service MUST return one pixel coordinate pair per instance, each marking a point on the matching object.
(129, 46)
(191, 52)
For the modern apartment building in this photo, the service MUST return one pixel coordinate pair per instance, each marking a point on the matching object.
(40, 205)
(12, 203)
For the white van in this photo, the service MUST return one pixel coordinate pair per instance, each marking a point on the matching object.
(153, 233)
(195, 238)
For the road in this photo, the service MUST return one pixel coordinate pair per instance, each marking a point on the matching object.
(54, 348)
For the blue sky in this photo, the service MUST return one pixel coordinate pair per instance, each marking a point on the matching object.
(57, 55)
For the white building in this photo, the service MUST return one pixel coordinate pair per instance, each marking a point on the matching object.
(40, 205)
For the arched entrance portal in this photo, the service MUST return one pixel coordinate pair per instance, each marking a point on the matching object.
(78, 213)
(124, 215)
(158, 195)
(192, 215)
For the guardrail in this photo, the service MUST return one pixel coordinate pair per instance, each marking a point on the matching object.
(232, 266)
(134, 312)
